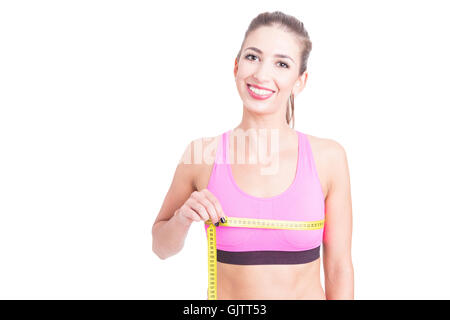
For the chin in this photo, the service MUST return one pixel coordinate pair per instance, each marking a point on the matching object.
(259, 108)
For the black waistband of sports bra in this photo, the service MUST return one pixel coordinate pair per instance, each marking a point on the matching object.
(268, 257)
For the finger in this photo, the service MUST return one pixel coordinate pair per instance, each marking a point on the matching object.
(201, 198)
(187, 215)
(191, 214)
(198, 208)
(213, 199)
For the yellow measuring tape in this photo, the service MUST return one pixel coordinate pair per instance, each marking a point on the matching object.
(246, 223)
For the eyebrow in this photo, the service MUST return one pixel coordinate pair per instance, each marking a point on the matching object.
(278, 55)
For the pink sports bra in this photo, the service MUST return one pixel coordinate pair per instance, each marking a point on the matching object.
(302, 201)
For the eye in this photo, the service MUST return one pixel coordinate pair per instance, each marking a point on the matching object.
(249, 56)
(287, 66)
(252, 55)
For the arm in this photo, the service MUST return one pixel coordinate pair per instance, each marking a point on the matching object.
(169, 231)
(337, 260)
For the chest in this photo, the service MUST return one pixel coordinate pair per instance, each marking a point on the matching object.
(273, 177)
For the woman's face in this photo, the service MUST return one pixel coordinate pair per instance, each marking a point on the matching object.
(259, 65)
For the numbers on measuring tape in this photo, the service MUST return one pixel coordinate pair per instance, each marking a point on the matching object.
(270, 224)
(212, 265)
(246, 223)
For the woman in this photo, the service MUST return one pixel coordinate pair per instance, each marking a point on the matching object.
(310, 178)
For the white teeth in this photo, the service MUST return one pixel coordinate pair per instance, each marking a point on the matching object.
(260, 92)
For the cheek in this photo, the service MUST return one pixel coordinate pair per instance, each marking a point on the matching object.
(245, 71)
(285, 89)
(284, 85)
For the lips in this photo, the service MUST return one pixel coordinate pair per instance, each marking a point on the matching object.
(259, 97)
(259, 87)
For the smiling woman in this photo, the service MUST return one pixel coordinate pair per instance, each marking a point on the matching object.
(302, 49)
(311, 185)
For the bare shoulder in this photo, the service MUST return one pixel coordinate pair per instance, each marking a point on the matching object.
(328, 147)
(329, 156)
(198, 159)
(189, 171)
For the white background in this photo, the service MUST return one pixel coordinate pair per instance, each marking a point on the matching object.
(99, 99)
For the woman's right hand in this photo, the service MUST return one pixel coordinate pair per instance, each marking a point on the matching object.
(201, 206)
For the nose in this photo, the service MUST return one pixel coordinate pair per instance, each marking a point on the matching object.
(262, 73)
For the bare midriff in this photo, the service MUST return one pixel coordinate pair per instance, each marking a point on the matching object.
(269, 282)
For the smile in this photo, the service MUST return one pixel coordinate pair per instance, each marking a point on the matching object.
(259, 93)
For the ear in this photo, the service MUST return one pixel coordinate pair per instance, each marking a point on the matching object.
(235, 67)
(300, 84)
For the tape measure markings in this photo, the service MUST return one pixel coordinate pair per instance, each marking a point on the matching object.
(247, 223)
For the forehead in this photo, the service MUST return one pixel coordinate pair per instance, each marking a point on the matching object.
(273, 40)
